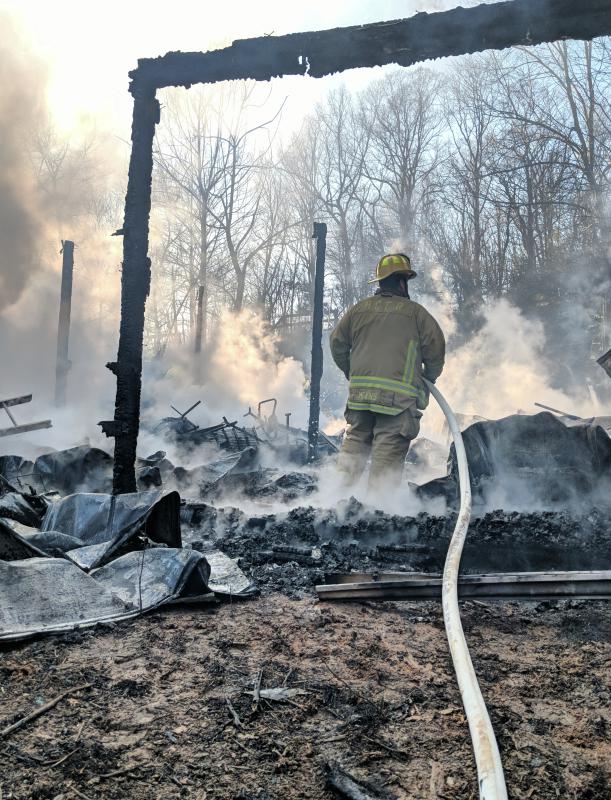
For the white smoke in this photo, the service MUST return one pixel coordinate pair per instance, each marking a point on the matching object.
(501, 370)
(242, 366)
(246, 365)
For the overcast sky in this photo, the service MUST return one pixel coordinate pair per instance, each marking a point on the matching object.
(90, 47)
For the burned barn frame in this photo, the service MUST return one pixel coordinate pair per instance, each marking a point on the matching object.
(403, 42)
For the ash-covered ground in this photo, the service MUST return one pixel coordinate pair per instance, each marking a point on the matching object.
(169, 712)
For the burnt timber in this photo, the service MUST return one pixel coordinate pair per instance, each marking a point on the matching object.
(320, 234)
(63, 329)
(403, 42)
(497, 586)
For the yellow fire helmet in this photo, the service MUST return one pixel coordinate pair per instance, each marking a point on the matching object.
(390, 264)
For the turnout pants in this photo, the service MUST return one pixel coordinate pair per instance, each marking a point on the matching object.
(386, 438)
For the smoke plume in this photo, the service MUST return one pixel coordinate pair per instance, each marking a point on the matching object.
(54, 187)
(500, 371)
(244, 366)
(247, 364)
(22, 84)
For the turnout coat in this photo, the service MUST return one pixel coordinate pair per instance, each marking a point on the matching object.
(384, 345)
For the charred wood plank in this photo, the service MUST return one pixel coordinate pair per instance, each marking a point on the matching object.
(16, 401)
(518, 585)
(404, 42)
(16, 428)
(135, 286)
(30, 426)
(62, 366)
(320, 234)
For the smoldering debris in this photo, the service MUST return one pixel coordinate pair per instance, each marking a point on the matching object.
(81, 468)
(287, 442)
(272, 523)
(226, 435)
(294, 550)
(531, 462)
(128, 559)
(87, 469)
(520, 462)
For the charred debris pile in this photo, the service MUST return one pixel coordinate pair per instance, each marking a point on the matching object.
(72, 554)
(239, 522)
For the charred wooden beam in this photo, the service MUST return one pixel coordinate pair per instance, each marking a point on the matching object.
(62, 364)
(404, 42)
(15, 401)
(320, 234)
(135, 286)
(515, 586)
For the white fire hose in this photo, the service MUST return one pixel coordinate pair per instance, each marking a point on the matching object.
(490, 776)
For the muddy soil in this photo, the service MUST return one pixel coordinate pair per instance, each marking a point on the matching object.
(291, 551)
(168, 713)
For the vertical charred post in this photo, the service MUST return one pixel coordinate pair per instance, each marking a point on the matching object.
(320, 234)
(135, 286)
(62, 364)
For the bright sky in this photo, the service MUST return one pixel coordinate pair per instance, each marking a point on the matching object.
(90, 47)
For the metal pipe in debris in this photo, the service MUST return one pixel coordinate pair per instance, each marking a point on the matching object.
(320, 234)
(491, 780)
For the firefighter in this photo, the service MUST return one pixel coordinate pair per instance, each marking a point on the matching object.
(384, 345)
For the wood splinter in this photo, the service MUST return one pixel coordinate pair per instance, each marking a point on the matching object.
(42, 710)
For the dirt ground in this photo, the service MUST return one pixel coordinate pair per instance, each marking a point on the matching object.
(167, 713)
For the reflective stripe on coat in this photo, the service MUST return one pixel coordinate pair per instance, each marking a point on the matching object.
(384, 345)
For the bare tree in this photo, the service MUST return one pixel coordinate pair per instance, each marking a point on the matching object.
(571, 107)
(404, 117)
(458, 226)
(190, 162)
(498, 170)
(329, 162)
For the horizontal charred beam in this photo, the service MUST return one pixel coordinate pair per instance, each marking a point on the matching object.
(514, 585)
(405, 42)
